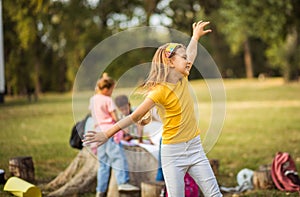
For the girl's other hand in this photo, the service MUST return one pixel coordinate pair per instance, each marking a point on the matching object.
(92, 136)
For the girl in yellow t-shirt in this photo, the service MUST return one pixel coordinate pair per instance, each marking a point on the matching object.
(181, 149)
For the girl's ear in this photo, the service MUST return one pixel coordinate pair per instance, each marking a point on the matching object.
(170, 63)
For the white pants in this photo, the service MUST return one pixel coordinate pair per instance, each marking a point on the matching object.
(177, 159)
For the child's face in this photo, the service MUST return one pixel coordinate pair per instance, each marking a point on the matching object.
(181, 63)
(125, 109)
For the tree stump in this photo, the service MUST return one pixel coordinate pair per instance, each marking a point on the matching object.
(22, 167)
(81, 175)
(150, 189)
(262, 179)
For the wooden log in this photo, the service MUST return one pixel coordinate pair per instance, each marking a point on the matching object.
(129, 194)
(22, 167)
(150, 189)
(262, 179)
(113, 186)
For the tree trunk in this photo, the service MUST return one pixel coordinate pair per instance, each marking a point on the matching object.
(248, 60)
(37, 85)
(291, 70)
(220, 51)
(149, 6)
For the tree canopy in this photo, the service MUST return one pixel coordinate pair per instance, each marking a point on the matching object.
(45, 41)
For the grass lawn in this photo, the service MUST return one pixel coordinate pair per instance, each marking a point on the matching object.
(262, 118)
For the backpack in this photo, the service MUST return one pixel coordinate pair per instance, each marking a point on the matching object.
(284, 173)
(77, 134)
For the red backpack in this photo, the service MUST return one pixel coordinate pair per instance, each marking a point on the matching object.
(284, 173)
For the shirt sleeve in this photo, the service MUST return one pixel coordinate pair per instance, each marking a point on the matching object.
(154, 95)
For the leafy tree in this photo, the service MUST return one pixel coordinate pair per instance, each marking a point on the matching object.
(70, 32)
(45, 41)
(229, 64)
(24, 58)
(274, 22)
(283, 51)
(238, 18)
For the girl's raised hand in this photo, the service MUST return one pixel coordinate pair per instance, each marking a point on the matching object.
(198, 29)
(93, 136)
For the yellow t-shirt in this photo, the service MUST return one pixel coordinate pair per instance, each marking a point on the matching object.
(176, 109)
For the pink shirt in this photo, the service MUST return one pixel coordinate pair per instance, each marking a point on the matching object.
(101, 107)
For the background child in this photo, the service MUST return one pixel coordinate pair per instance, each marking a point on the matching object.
(111, 153)
(181, 149)
(134, 131)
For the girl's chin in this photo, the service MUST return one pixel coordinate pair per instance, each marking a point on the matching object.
(186, 73)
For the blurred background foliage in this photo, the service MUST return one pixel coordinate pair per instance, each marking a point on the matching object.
(45, 41)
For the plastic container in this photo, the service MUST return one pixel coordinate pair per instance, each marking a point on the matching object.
(21, 188)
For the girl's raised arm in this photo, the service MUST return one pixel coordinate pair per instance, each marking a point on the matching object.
(198, 31)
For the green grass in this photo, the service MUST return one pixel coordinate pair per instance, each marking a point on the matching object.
(262, 118)
(40, 130)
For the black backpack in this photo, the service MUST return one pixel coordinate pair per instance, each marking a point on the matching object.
(77, 133)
